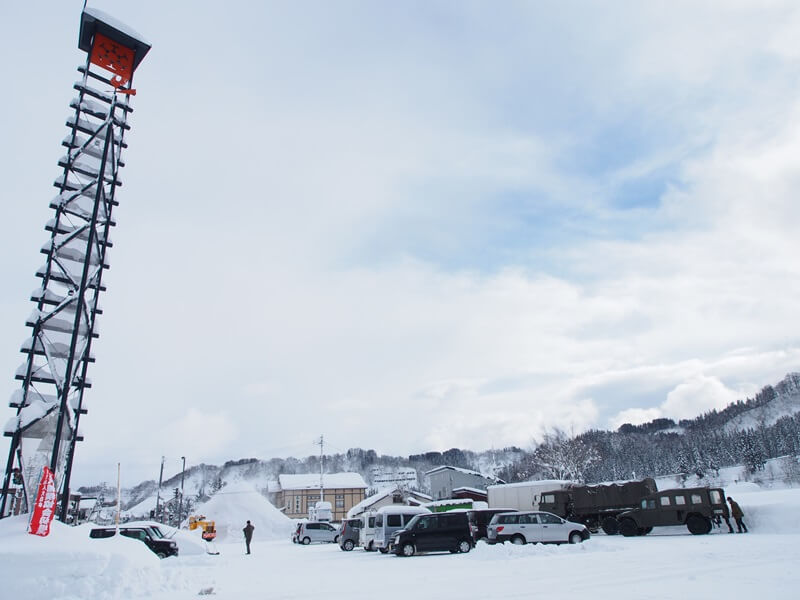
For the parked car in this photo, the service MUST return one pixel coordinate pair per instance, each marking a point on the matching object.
(316, 532)
(367, 533)
(693, 507)
(161, 546)
(535, 527)
(349, 534)
(479, 519)
(393, 518)
(431, 533)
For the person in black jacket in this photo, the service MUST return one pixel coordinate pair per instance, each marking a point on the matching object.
(737, 514)
(248, 535)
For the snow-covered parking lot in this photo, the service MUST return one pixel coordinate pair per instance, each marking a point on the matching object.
(669, 563)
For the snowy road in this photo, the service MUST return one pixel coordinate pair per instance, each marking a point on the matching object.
(673, 565)
(668, 564)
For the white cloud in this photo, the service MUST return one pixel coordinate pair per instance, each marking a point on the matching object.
(302, 243)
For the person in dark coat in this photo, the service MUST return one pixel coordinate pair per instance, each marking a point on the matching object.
(248, 535)
(738, 515)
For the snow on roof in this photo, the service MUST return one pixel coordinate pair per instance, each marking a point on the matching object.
(473, 490)
(556, 483)
(450, 502)
(460, 470)
(363, 506)
(397, 509)
(308, 481)
(115, 23)
(369, 501)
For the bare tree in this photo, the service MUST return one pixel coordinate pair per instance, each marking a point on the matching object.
(562, 457)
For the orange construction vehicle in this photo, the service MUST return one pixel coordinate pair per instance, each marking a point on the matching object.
(209, 532)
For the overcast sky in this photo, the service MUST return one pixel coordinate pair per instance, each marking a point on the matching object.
(410, 226)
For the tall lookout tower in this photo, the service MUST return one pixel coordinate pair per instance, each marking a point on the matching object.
(54, 373)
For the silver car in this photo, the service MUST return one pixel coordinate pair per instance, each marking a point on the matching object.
(316, 532)
(534, 527)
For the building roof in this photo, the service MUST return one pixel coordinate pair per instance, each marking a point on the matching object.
(465, 471)
(309, 481)
(471, 490)
(364, 505)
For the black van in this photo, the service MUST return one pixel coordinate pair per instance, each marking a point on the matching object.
(479, 518)
(161, 546)
(434, 532)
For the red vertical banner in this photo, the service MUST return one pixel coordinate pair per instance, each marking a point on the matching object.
(45, 507)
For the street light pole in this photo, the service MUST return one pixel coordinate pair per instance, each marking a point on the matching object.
(180, 503)
(158, 493)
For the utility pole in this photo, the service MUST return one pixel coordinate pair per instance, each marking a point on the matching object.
(158, 492)
(321, 459)
(180, 503)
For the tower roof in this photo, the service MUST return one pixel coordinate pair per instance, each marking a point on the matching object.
(96, 21)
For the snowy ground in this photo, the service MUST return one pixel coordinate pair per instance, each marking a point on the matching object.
(669, 563)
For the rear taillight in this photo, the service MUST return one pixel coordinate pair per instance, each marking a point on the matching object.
(499, 528)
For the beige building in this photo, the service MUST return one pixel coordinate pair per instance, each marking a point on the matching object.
(295, 494)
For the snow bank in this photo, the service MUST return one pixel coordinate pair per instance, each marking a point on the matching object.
(69, 565)
(235, 504)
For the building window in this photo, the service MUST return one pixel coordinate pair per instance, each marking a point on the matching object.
(339, 500)
(298, 504)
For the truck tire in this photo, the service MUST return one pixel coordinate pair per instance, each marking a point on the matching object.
(348, 545)
(610, 526)
(628, 527)
(698, 525)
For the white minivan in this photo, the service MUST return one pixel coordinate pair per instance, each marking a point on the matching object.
(534, 527)
(366, 536)
(389, 519)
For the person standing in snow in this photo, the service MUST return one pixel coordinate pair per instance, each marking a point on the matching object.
(248, 535)
(736, 513)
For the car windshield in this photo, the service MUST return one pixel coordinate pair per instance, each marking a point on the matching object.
(413, 522)
(156, 532)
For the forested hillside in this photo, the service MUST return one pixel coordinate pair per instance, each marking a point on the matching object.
(747, 432)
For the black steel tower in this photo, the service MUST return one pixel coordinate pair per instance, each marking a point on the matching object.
(54, 374)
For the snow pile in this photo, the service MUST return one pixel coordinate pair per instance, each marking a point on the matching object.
(68, 564)
(235, 504)
(771, 512)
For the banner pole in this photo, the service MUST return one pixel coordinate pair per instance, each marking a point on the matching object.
(118, 498)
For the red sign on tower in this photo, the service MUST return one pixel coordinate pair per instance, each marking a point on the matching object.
(112, 56)
(45, 508)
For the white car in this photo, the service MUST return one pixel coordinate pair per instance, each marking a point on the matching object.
(316, 531)
(534, 527)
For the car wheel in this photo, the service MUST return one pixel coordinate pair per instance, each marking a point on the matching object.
(336, 539)
(518, 540)
(698, 525)
(383, 550)
(348, 545)
(306, 541)
(464, 546)
(370, 547)
(628, 527)
(610, 526)
(408, 550)
(575, 538)
(161, 555)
